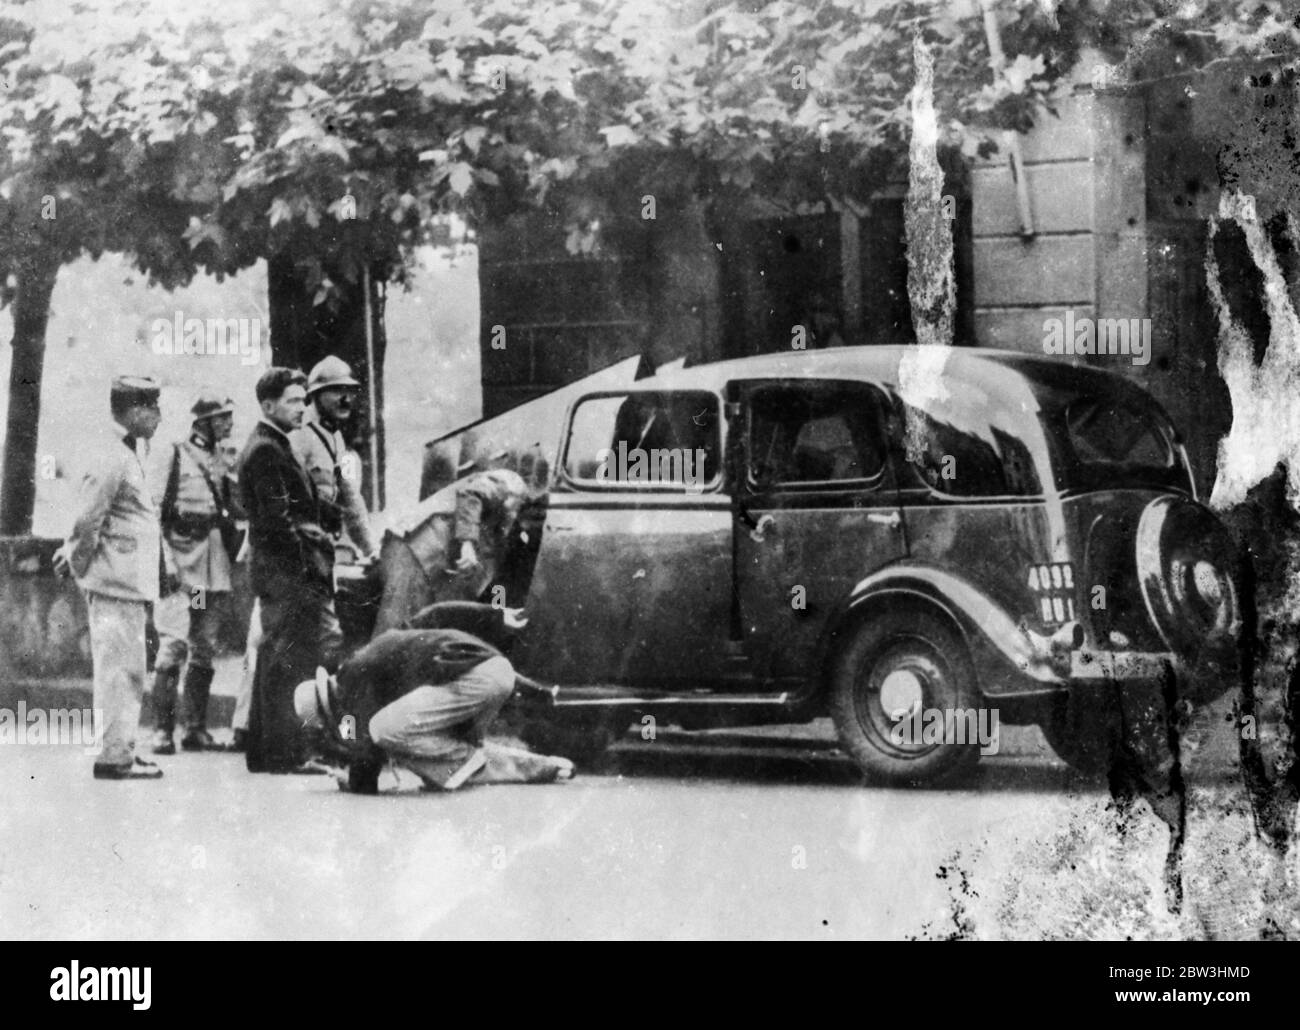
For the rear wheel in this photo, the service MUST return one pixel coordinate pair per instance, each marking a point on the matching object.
(900, 689)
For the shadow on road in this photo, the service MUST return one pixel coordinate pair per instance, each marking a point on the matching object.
(826, 767)
(818, 768)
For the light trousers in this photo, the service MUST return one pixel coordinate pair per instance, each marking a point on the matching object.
(433, 730)
(117, 649)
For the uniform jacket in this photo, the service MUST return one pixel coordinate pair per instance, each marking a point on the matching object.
(198, 555)
(283, 516)
(115, 543)
(324, 455)
(395, 663)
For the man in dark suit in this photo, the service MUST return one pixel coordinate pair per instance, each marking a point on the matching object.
(291, 570)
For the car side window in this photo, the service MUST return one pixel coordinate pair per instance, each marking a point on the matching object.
(961, 452)
(814, 435)
(664, 440)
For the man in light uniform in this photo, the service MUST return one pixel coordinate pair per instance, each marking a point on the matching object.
(319, 445)
(197, 496)
(113, 551)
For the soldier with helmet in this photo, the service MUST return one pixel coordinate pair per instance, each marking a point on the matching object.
(323, 452)
(197, 519)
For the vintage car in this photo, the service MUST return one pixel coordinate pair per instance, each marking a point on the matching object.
(847, 533)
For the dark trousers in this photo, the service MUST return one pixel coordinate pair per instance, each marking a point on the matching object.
(299, 632)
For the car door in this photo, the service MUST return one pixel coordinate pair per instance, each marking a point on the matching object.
(814, 510)
(633, 577)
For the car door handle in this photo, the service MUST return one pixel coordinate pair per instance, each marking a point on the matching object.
(891, 520)
(759, 533)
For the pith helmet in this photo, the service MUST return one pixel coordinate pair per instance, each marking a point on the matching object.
(330, 371)
(209, 405)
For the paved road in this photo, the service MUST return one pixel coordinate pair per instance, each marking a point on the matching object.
(676, 838)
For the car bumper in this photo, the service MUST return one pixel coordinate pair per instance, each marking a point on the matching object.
(1087, 664)
(1085, 668)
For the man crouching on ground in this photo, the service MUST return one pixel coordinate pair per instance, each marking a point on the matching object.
(424, 698)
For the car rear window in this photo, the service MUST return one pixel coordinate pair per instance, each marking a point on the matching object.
(1108, 442)
(1104, 432)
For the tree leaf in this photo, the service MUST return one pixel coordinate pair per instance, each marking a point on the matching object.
(618, 135)
(460, 178)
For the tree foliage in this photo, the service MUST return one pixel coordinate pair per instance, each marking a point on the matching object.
(336, 133)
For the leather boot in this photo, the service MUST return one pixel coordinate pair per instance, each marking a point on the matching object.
(198, 686)
(164, 710)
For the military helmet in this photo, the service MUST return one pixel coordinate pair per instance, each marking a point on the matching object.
(209, 405)
(330, 371)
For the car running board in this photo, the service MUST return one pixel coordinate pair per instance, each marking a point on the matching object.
(609, 697)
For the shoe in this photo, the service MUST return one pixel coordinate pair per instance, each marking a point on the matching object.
(163, 744)
(202, 740)
(137, 770)
(564, 771)
(473, 764)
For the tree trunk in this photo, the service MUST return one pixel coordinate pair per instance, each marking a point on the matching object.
(37, 274)
(302, 333)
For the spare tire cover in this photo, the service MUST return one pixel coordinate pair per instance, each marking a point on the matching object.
(1187, 570)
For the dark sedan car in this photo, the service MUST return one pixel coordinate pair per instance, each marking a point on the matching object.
(777, 538)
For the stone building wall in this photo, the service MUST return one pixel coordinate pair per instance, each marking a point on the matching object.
(1085, 250)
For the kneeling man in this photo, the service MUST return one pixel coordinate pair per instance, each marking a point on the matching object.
(424, 698)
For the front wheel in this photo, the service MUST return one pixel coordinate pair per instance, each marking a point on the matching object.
(904, 699)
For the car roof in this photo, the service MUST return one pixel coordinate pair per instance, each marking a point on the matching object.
(983, 367)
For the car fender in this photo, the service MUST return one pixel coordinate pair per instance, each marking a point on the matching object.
(1004, 656)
